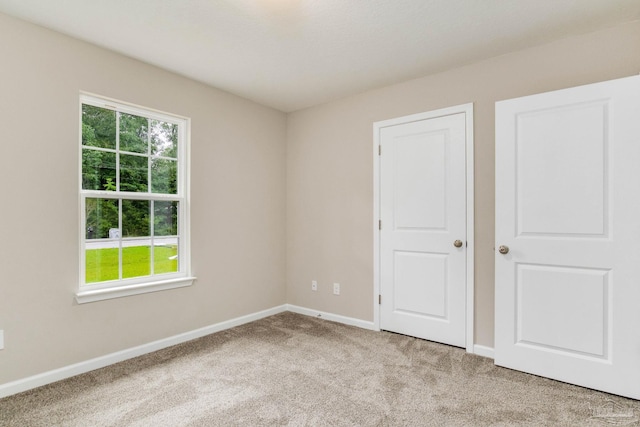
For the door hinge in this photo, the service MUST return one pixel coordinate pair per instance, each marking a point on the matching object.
(379, 150)
(379, 299)
(379, 224)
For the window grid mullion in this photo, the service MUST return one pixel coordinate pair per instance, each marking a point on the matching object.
(131, 196)
(117, 151)
(152, 249)
(152, 219)
(131, 153)
(120, 254)
(91, 147)
(148, 155)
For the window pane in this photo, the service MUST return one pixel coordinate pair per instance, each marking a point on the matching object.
(135, 218)
(164, 139)
(136, 258)
(133, 173)
(101, 217)
(164, 176)
(165, 218)
(133, 133)
(101, 264)
(101, 257)
(136, 254)
(165, 255)
(98, 127)
(98, 170)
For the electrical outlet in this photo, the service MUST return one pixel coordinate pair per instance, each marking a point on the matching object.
(336, 288)
(1, 339)
(314, 285)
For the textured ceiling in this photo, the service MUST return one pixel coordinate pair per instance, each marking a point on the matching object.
(291, 54)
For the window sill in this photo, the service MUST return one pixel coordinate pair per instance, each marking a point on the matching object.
(94, 295)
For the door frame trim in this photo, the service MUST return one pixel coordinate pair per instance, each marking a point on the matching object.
(467, 109)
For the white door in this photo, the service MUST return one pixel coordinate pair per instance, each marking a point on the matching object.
(423, 212)
(568, 209)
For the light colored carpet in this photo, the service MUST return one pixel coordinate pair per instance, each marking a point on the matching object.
(296, 370)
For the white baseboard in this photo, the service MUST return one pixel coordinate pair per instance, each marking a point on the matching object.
(49, 377)
(483, 351)
(333, 317)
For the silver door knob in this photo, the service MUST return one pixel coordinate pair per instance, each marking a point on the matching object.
(503, 249)
(457, 243)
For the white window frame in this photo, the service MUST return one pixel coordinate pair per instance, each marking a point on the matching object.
(90, 292)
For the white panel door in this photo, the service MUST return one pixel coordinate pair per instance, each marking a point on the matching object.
(568, 210)
(423, 211)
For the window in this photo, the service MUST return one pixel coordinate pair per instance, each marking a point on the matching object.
(133, 198)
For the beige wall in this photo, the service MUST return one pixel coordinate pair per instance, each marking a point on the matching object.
(238, 204)
(330, 164)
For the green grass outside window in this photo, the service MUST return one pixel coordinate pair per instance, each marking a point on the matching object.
(102, 264)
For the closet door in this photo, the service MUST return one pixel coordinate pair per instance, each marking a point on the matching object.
(568, 235)
(423, 227)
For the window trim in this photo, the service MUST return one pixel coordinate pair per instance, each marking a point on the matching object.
(90, 292)
(93, 295)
